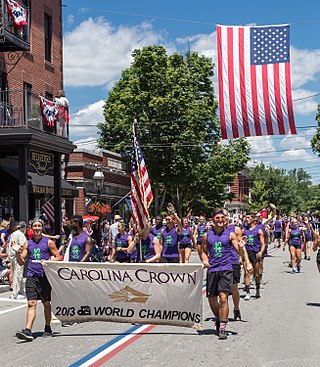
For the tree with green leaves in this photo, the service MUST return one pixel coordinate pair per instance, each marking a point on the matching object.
(173, 101)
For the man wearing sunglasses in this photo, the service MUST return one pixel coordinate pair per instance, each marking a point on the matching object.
(215, 256)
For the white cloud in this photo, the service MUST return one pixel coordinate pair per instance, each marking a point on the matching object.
(261, 144)
(89, 143)
(70, 19)
(299, 155)
(305, 66)
(304, 106)
(95, 52)
(294, 142)
(90, 115)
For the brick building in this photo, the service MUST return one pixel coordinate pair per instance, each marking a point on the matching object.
(240, 188)
(80, 169)
(32, 145)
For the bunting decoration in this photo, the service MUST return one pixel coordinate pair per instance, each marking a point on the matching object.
(48, 111)
(17, 14)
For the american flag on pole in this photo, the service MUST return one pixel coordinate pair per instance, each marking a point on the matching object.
(141, 193)
(48, 210)
(254, 81)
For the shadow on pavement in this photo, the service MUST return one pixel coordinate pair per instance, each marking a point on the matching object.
(314, 304)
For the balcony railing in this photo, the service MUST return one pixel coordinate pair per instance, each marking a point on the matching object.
(21, 109)
(13, 36)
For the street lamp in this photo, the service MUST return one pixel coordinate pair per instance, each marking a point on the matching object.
(98, 180)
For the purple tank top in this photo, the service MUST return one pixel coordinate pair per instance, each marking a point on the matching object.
(234, 257)
(170, 243)
(201, 231)
(37, 251)
(277, 226)
(295, 237)
(253, 241)
(122, 242)
(147, 248)
(157, 231)
(219, 248)
(78, 247)
(185, 237)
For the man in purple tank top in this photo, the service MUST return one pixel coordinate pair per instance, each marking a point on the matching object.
(38, 249)
(215, 255)
(81, 244)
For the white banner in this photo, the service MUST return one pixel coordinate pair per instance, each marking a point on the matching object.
(166, 294)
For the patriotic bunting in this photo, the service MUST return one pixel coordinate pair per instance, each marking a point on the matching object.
(48, 111)
(17, 14)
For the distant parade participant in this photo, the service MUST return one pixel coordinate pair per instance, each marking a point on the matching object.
(277, 232)
(37, 250)
(170, 237)
(215, 255)
(316, 245)
(81, 243)
(147, 247)
(199, 231)
(255, 246)
(158, 227)
(186, 242)
(122, 241)
(308, 236)
(293, 238)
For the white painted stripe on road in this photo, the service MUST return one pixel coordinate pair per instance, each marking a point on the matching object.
(12, 309)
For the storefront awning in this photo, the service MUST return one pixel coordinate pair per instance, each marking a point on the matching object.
(43, 184)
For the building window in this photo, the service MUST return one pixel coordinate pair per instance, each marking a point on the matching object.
(48, 36)
(27, 88)
(49, 96)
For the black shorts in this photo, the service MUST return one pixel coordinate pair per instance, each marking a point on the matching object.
(219, 281)
(252, 256)
(170, 260)
(38, 288)
(185, 245)
(236, 268)
(297, 247)
(318, 258)
(277, 235)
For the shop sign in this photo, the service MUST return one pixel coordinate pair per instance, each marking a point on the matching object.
(40, 161)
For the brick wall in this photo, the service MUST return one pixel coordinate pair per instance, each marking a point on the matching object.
(80, 202)
(32, 67)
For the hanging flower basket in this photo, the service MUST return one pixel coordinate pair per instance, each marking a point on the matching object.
(99, 209)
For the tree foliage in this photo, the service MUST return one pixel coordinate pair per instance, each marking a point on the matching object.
(289, 190)
(173, 101)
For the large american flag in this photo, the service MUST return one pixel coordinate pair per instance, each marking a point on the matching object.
(141, 192)
(254, 81)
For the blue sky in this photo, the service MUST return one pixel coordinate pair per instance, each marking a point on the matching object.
(99, 37)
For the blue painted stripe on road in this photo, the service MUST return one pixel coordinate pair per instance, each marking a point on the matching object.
(104, 346)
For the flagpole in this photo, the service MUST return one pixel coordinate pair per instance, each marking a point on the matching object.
(123, 197)
(140, 180)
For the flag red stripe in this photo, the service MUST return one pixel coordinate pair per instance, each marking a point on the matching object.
(277, 97)
(136, 214)
(220, 84)
(266, 99)
(254, 93)
(289, 99)
(243, 91)
(235, 131)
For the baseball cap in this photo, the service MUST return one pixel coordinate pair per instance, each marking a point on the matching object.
(159, 217)
(22, 224)
(117, 216)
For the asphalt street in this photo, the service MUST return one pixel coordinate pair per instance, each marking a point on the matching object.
(282, 328)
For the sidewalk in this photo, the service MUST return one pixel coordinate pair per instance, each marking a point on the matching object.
(4, 288)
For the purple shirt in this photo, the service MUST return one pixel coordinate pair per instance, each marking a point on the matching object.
(219, 248)
(294, 238)
(201, 231)
(170, 242)
(233, 254)
(147, 248)
(156, 231)
(253, 241)
(122, 241)
(277, 225)
(185, 236)
(78, 247)
(37, 251)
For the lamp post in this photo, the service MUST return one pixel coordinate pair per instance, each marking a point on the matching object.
(98, 181)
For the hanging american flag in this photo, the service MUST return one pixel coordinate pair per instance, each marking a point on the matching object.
(254, 81)
(141, 193)
(48, 111)
(48, 210)
(17, 14)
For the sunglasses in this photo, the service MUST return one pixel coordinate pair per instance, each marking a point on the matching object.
(219, 217)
